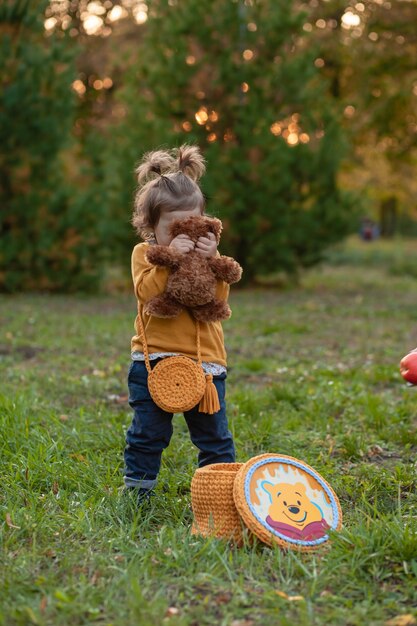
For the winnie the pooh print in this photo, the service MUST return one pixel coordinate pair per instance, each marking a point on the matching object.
(292, 513)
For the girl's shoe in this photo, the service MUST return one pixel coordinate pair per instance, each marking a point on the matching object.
(143, 496)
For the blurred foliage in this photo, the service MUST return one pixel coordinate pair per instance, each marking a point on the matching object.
(368, 52)
(397, 256)
(240, 81)
(47, 226)
(260, 76)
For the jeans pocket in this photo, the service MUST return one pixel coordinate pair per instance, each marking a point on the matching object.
(137, 371)
(138, 383)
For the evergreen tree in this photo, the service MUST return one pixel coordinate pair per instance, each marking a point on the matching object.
(46, 225)
(239, 78)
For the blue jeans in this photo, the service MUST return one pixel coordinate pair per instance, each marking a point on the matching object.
(151, 431)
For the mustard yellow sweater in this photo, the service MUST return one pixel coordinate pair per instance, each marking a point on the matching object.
(178, 334)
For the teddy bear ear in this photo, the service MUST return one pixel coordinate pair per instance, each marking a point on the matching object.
(216, 227)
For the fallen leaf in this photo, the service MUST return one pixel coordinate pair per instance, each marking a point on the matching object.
(375, 450)
(284, 595)
(9, 521)
(223, 598)
(43, 604)
(51, 554)
(402, 620)
(171, 611)
(119, 558)
(119, 399)
(78, 456)
(55, 487)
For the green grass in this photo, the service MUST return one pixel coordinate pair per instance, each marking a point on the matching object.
(313, 374)
(396, 256)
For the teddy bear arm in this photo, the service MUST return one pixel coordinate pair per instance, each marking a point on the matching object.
(163, 256)
(225, 268)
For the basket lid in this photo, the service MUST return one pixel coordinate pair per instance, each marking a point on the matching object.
(283, 500)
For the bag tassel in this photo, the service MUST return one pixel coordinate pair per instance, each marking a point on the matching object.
(209, 403)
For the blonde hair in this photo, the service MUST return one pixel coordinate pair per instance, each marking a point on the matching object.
(167, 181)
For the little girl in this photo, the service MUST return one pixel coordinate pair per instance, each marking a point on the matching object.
(171, 192)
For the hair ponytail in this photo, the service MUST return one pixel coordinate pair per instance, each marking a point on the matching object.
(190, 161)
(167, 182)
(154, 164)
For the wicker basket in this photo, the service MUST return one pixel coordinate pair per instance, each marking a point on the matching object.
(215, 513)
(241, 501)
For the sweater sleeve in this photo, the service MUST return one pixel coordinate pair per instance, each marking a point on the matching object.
(222, 290)
(148, 280)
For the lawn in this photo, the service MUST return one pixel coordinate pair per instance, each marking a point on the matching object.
(313, 374)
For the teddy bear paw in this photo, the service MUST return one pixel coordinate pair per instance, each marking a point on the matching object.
(214, 311)
(163, 306)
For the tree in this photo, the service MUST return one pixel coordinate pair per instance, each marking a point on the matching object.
(239, 78)
(47, 232)
(368, 54)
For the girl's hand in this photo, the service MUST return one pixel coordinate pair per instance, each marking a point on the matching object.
(207, 246)
(182, 244)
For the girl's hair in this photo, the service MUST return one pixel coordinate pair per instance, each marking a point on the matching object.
(167, 181)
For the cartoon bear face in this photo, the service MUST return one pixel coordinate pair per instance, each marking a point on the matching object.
(291, 505)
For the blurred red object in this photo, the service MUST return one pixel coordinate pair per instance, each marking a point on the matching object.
(408, 367)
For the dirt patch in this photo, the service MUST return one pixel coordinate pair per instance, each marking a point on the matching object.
(22, 352)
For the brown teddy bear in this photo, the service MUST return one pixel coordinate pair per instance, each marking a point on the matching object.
(192, 281)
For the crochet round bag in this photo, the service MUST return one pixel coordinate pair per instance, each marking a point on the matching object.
(178, 383)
